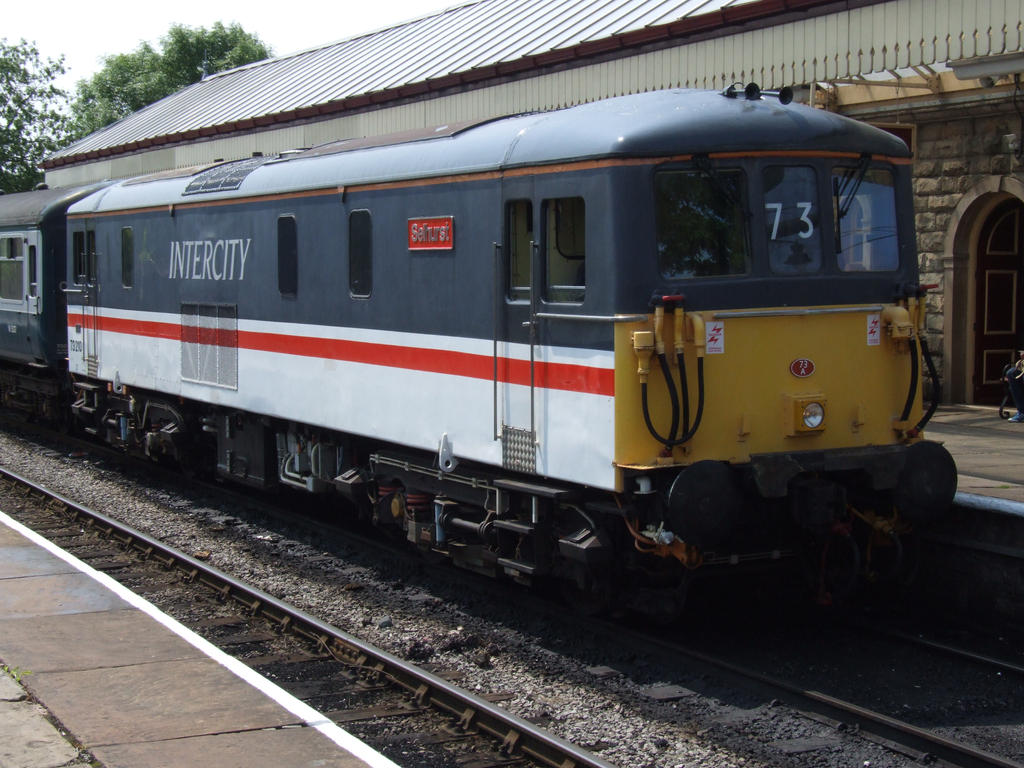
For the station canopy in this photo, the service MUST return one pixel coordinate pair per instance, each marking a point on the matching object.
(604, 48)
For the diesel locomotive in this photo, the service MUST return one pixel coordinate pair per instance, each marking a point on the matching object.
(610, 344)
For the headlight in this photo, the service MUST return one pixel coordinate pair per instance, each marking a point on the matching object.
(813, 415)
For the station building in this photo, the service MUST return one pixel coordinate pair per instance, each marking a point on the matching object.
(944, 75)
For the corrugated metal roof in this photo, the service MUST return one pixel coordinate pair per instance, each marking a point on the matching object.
(472, 41)
(491, 42)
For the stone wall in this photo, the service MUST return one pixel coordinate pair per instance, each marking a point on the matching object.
(952, 156)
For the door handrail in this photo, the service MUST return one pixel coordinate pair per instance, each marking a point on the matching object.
(498, 274)
(590, 318)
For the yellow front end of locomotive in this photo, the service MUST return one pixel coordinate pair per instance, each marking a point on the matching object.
(775, 381)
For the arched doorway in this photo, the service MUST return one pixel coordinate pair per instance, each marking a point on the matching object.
(998, 299)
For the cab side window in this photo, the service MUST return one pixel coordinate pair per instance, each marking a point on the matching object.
(519, 238)
(565, 249)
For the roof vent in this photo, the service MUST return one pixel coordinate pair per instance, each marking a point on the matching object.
(221, 178)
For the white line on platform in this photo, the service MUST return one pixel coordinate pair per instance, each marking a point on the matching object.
(310, 716)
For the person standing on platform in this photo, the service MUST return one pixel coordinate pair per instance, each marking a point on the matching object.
(1014, 376)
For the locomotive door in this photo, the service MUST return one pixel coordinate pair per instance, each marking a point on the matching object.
(82, 341)
(515, 329)
(997, 331)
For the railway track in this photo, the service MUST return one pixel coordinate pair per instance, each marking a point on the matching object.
(365, 667)
(851, 719)
(920, 744)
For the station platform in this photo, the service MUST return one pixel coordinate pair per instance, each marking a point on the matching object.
(91, 672)
(989, 451)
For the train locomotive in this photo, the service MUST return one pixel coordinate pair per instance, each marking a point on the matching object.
(613, 345)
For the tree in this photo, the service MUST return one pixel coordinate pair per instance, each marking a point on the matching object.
(130, 81)
(32, 120)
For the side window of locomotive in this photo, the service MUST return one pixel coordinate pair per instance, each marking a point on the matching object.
(864, 207)
(792, 219)
(518, 237)
(127, 257)
(565, 249)
(360, 254)
(84, 246)
(287, 256)
(701, 223)
(78, 255)
(12, 269)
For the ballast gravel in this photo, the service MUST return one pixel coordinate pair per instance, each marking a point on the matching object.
(633, 712)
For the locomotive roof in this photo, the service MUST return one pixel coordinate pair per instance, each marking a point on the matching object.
(655, 124)
(25, 209)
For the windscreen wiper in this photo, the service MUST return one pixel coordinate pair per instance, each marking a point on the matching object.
(703, 165)
(846, 192)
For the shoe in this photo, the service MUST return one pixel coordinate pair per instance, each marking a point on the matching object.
(1017, 418)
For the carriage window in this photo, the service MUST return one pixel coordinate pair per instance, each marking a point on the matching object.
(127, 257)
(701, 224)
(33, 277)
(519, 236)
(360, 254)
(12, 269)
(287, 256)
(565, 249)
(864, 206)
(791, 220)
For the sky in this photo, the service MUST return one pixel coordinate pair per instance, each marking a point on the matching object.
(83, 34)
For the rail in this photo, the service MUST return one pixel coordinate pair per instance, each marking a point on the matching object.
(517, 736)
(930, 745)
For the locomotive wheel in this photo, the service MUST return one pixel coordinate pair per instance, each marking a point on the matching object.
(883, 557)
(832, 566)
(911, 563)
(586, 594)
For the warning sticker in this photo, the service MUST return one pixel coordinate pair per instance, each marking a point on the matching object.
(874, 329)
(715, 337)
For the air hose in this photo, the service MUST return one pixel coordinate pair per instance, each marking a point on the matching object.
(936, 388)
(671, 441)
(685, 392)
(914, 376)
(673, 396)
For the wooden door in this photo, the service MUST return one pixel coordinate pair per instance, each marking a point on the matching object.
(997, 322)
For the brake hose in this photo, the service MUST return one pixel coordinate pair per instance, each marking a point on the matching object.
(673, 397)
(914, 377)
(671, 442)
(685, 392)
(936, 387)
